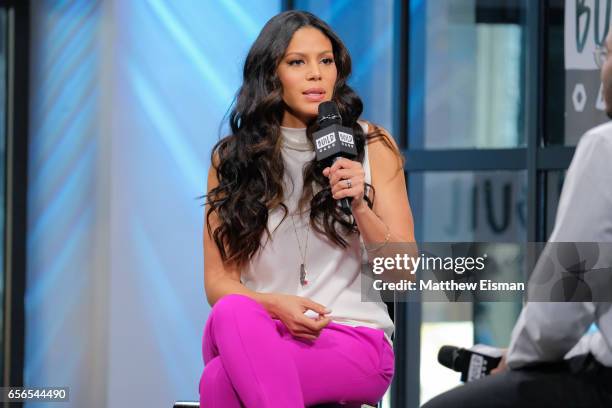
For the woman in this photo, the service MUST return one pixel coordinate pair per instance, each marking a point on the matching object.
(282, 261)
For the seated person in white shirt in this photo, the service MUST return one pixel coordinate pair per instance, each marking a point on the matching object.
(554, 360)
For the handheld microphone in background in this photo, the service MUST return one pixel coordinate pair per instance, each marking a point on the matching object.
(333, 141)
(473, 363)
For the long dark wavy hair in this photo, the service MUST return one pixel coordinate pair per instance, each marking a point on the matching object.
(248, 163)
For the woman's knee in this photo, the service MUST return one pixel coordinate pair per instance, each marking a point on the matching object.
(379, 382)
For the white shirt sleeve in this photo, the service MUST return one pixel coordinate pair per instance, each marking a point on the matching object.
(547, 331)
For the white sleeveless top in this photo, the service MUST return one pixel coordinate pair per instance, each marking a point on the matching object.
(334, 273)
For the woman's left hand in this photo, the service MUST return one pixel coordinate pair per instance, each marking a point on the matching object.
(347, 179)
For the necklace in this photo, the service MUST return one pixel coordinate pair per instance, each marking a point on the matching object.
(303, 273)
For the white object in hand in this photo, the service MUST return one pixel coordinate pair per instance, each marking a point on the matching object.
(311, 314)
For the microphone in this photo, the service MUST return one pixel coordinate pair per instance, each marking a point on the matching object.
(333, 141)
(473, 363)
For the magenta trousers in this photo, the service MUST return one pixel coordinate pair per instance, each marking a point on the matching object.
(251, 360)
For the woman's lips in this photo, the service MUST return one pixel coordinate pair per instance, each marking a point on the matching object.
(314, 97)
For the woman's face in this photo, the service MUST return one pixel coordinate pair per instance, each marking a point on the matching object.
(308, 74)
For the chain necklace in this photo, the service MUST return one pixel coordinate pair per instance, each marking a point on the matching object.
(303, 272)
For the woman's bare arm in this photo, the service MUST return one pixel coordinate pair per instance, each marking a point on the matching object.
(391, 207)
(221, 279)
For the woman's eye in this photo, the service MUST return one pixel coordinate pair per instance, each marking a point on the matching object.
(295, 62)
(328, 61)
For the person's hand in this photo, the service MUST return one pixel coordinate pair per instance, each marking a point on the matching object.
(290, 310)
(347, 179)
(502, 366)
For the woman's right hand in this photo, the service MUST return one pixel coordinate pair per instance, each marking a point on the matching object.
(290, 309)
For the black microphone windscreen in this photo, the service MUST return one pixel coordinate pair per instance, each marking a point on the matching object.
(328, 114)
(447, 355)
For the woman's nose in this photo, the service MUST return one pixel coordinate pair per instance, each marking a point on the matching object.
(314, 73)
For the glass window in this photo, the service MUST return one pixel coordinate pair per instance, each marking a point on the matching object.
(554, 184)
(466, 74)
(442, 325)
(469, 206)
(465, 206)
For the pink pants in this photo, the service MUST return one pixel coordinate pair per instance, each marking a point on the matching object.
(251, 360)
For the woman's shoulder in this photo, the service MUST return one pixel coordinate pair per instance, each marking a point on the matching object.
(376, 134)
(382, 147)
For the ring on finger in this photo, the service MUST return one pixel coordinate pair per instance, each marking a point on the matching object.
(349, 184)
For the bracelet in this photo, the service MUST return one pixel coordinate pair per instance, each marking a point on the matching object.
(380, 246)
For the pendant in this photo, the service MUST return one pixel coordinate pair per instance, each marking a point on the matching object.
(303, 278)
